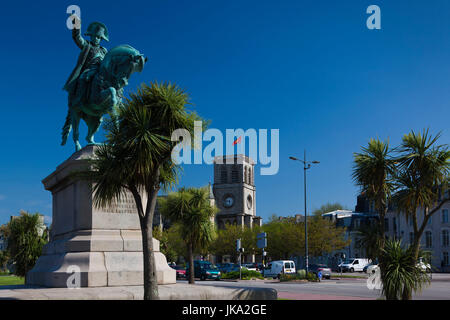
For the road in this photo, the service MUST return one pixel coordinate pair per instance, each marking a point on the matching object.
(343, 289)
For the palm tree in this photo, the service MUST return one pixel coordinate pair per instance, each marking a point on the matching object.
(399, 271)
(192, 210)
(372, 171)
(137, 158)
(423, 171)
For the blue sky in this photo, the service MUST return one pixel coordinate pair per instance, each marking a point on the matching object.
(311, 69)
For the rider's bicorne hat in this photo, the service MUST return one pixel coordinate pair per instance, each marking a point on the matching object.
(97, 28)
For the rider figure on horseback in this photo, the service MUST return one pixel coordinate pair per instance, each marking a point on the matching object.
(88, 62)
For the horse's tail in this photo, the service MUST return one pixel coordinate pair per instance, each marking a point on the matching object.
(66, 129)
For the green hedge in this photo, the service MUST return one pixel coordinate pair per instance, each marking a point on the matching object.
(246, 275)
(300, 275)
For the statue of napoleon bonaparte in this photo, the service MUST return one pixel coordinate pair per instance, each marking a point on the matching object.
(92, 53)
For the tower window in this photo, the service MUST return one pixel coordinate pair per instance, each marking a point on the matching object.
(234, 176)
(245, 175)
(223, 176)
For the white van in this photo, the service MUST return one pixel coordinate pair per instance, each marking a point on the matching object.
(354, 264)
(274, 269)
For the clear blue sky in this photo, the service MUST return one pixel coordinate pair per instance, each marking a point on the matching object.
(309, 68)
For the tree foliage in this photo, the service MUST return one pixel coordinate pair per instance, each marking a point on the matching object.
(328, 207)
(225, 242)
(285, 238)
(415, 178)
(191, 209)
(373, 172)
(25, 241)
(137, 158)
(400, 273)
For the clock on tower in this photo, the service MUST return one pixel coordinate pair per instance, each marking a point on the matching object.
(234, 190)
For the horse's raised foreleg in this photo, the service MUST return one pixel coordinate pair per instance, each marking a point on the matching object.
(76, 133)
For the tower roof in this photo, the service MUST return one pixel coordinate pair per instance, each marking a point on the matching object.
(234, 159)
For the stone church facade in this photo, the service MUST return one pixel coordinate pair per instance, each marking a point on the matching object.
(234, 191)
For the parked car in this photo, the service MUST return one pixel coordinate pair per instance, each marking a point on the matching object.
(354, 264)
(370, 268)
(226, 267)
(250, 266)
(180, 272)
(274, 269)
(316, 268)
(204, 270)
(426, 267)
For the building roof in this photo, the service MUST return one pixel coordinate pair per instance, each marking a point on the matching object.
(233, 159)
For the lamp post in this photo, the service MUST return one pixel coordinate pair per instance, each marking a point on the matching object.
(306, 166)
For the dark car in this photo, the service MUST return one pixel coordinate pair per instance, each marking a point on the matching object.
(204, 270)
(225, 267)
(181, 271)
(316, 268)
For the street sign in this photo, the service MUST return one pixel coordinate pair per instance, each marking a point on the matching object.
(261, 240)
(238, 244)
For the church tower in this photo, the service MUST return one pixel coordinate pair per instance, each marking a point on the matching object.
(234, 191)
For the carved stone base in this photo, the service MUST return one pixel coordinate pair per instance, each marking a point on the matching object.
(103, 244)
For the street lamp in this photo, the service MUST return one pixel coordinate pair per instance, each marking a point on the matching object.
(306, 166)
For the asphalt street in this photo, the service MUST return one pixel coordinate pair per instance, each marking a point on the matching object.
(342, 289)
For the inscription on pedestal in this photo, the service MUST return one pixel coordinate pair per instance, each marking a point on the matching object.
(126, 204)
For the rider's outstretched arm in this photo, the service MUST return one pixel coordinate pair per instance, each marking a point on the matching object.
(76, 36)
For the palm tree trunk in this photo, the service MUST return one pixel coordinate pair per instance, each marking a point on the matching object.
(150, 280)
(191, 264)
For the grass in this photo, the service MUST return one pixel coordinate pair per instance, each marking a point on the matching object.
(11, 280)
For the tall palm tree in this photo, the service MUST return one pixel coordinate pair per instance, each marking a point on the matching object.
(423, 171)
(192, 210)
(137, 158)
(372, 171)
(399, 271)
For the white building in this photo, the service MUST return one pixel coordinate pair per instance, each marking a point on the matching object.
(435, 238)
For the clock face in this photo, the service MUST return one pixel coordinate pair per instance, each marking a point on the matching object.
(249, 202)
(228, 201)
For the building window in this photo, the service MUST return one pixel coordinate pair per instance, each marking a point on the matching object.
(444, 215)
(429, 220)
(445, 259)
(394, 222)
(428, 239)
(386, 224)
(234, 176)
(223, 176)
(411, 238)
(445, 238)
(245, 175)
(250, 176)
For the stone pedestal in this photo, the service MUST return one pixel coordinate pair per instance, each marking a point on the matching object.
(104, 244)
